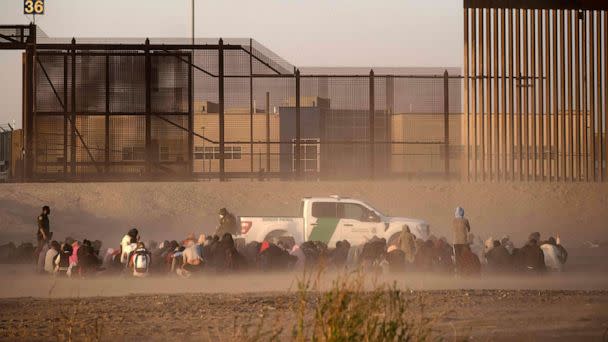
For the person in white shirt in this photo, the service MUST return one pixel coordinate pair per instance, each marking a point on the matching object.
(49, 258)
(132, 237)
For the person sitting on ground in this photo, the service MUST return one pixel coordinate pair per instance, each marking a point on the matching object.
(170, 256)
(273, 257)
(563, 253)
(374, 252)
(192, 260)
(62, 260)
(535, 236)
(425, 256)
(338, 255)
(132, 237)
(442, 256)
(230, 258)
(555, 254)
(88, 262)
(499, 259)
(507, 244)
(395, 259)
(97, 247)
(51, 254)
(407, 243)
(74, 256)
(139, 260)
(315, 253)
(470, 266)
(227, 223)
(530, 258)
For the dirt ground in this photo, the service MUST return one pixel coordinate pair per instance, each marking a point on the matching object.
(517, 315)
(234, 307)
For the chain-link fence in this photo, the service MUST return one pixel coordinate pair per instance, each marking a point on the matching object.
(170, 109)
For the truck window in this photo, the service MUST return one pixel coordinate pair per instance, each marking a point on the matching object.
(324, 209)
(352, 211)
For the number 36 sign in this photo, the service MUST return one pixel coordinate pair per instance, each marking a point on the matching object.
(33, 7)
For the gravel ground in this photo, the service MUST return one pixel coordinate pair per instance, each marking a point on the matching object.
(473, 314)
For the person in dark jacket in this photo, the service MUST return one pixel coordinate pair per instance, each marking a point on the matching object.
(87, 259)
(530, 258)
(43, 234)
(374, 251)
(442, 258)
(227, 223)
(470, 266)
(338, 255)
(425, 256)
(499, 259)
(275, 258)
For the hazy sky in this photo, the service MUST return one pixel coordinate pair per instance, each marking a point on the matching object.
(304, 32)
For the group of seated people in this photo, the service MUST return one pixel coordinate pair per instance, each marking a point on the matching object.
(222, 254)
(70, 257)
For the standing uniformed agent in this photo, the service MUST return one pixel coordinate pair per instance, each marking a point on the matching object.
(43, 234)
(227, 223)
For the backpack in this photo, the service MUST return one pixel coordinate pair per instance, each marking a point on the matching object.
(64, 255)
(141, 261)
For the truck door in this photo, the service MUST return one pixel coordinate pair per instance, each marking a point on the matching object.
(323, 222)
(355, 225)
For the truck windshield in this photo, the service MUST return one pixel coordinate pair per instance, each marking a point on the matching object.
(374, 209)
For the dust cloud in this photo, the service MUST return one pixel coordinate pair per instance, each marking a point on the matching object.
(170, 210)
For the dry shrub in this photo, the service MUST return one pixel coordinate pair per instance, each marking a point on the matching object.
(69, 326)
(347, 311)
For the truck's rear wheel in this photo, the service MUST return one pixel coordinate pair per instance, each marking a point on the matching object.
(280, 237)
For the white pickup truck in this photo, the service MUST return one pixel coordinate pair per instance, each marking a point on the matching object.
(331, 219)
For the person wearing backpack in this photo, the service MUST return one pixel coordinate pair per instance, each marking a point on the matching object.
(140, 260)
(62, 260)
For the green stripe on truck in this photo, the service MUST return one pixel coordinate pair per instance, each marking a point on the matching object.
(325, 229)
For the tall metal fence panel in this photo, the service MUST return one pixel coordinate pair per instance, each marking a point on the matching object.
(536, 90)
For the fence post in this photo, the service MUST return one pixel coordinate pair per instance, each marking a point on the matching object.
(221, 105)
(191, 116)
(387, 149)
(446, 124)
(73, 113)
(107, 117)
(28, 123)
(251, 109)
(297, 154)
(148, 141)
(372, 125)
(267, 131)
(65, 116)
